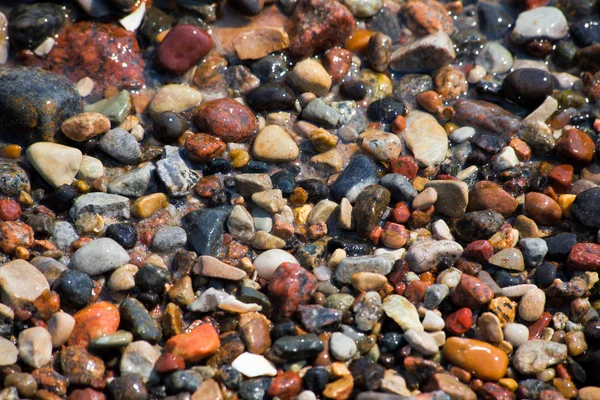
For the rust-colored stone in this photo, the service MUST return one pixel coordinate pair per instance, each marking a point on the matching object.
(290, 286)
(226, 119)
(94, 321)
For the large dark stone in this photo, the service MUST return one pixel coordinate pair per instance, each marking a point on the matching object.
(205, 230)
(586, 208)
(34, 103)
(528, 86)
(478, 225)
(369, 207)
(361, 172)
(30, 24)
(272, 96)
(137, 320)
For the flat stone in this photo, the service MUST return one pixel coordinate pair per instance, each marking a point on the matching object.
(57, 164)
(319, 112)
(107, 205)
(174, 97)
(360, 173)
(116, 109)
(21, 283)
(214, 268)
(322, 211)
(425, 255)
(400, 187)
(240, 224)
(260, 41)
(139, 358)
(60, 326)
(248, 184)
(205, 229)
(8, 352)
(134, 183)
(379, 264)
(511, 259)
(427, 53)
(274, 144)
(99, 256)
(174, 173)
(341, 346)
(169, 238)
(253, 365)
(452, 197)
(426, 138)
(403, 312)
(35, 347)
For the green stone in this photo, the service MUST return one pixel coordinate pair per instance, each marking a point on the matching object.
(111, 341)
(339, 301)
(116, 109)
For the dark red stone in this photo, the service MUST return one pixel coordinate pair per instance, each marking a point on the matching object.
(182, 48)
(486, 116)
(318, 25)
(584, 256)
(49, 379)
(492, 391)
(400, 213)
(415, 292)
(479, 250)
(549, 394)
(290, 286)
(202, 148)
(226, 119)
(10, 210)
(337, 62)
(459, 321)
(471, 293)
(286, 386)
(576, 147)
(535, 329)
(98, 51)
(406, 166)
(86, 394)
(168, 362)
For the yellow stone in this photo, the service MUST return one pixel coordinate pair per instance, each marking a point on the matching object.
(589, 393)
(340, 389)
(508, 383)
(339, 369)
(565, 201)
(25, 199)
(12, 151)
(330, 161)
(504, 308)
(302, 213)
(504, 239)
(146, 206)
(322, 140)
(485, 361)
(527, 227)
(419, 183)
(239, 158)
(368, 281)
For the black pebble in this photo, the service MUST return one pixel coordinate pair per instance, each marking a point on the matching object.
(353, 90)
(74, 288)
(124, 234)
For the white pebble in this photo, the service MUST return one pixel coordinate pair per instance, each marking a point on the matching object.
(45, 47)
(35, 347)
(441, 231)
(433, 322)
(462, 134)
(516, 334)
(266, 263)
(322, 273)
(506, 159)
(133, 21)
(85, 86)
(476, 74)
(253, 365)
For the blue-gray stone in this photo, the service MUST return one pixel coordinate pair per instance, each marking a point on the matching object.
(105, 204)
(534, 250)
(121, 145)
(137, 320)
(168, 239)
(175, 174)
(205, 229)
(360, 173)
(400, 187)
(319, 112)
(135, 183)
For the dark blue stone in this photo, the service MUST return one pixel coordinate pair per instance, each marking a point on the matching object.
(74, 288)
(560, 245)
(151, 278)
(316, 379)
(124, 234)
(137, 320)
(272, 96)
(360, 173)
(254, 389)
(183, 381)
(284, 181)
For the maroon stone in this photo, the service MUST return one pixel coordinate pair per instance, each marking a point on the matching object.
(459, 321)
(471, 293)
(285, 386)
(226, 119)
(168, 362)
(318, 25)
(337, 62)
(182, 48)
(406, 166)
(492, 391)
(487, 116)
(585, 256)
(290, 286)
(479, 250)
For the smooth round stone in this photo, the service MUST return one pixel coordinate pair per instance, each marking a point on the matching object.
(253, 365)
(226, 119)
(425, 199)
(516, 334)
(91, 168)
(495, 58)
(266, 263)
(386, 109)
(24, 383)
(60, 326)
(35, 347)
(175, 98)
(111, 341)
(74, 288)
(586, 208)
(478, 225)
(272, 96)
(151, 278)
(99, 256)
(341, 346)
(532, 305)
(310, 76)
(274, 144)
(353, 90)
(182, 48)
(56, 163)
(31, 24)
(85, 126)
(169, 238)
(540, 23)
(586, 32)
(202, 148)
(545, 274)
(511, 259)
(528, 86)
(482, 359)
(168, 126)
(270, 68)
(128, 387)
(123, 234)
(542, 209)
(8, 352)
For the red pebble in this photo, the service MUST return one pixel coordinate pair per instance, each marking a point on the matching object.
(10, 210)
(535, 329)
(549, 394)
(182, 48)
(86, 394)
(584, 256)
(285, 386)
(561, 177)
(445, 177)
(406, 166)
(415, 292)
(290, 286)
(168, 362)
(459, 321)
(471, 292)
(400, 213)
(337, 62)
(479, 250)
(492, 391)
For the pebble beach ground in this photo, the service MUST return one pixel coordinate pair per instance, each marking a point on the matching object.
(300, 199)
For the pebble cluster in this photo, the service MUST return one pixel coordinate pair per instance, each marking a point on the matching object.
(304, 199)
